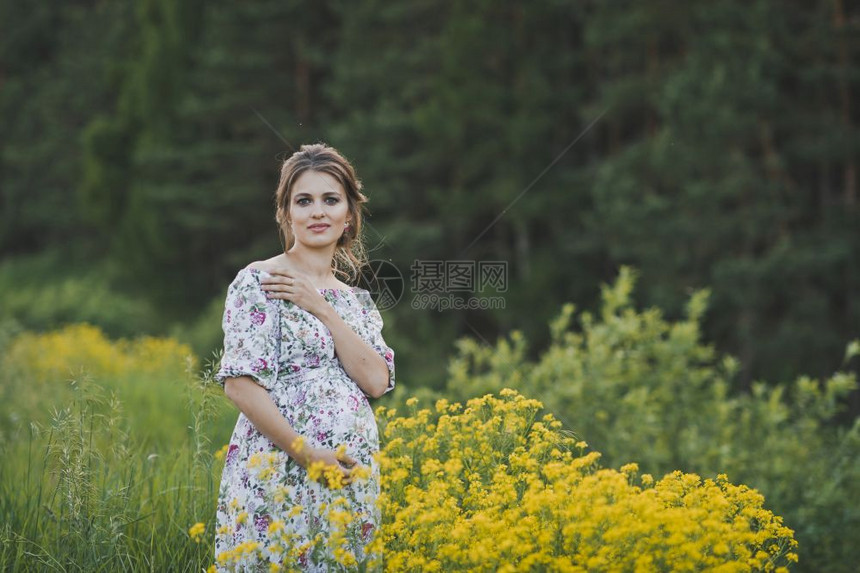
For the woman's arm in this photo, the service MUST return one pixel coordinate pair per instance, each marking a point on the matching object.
(358, 358)
(254, 401)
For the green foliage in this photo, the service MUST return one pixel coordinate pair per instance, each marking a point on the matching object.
(60, 64)
(102, 193)
(638, 387)
(204, 334)
(43, 292)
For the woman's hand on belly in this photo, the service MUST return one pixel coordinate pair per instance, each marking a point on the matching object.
(345, 463)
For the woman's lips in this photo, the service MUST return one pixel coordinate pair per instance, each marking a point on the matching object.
(318, 228)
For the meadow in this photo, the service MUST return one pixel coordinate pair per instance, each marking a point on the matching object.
(646, 428)
(620, 449)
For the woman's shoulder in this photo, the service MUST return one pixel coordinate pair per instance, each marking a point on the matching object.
(266, 266)
(253, 271)
(247, 279)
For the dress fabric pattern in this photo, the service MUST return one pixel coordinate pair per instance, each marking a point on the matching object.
(269, 511)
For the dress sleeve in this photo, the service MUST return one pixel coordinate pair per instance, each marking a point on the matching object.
(250, 325)
(372, 334)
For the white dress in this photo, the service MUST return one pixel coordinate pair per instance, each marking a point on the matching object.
(269, 512)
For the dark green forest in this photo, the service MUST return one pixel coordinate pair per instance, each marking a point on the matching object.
(708, 145)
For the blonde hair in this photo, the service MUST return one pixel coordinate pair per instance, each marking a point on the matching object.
(349, 255)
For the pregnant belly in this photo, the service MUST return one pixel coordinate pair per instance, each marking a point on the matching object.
(330, 410)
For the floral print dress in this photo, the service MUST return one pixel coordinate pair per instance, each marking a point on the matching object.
(270, 514)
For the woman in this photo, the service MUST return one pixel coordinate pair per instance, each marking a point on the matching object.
(303, 352)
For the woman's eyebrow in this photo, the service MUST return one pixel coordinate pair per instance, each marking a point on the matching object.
(306, 194)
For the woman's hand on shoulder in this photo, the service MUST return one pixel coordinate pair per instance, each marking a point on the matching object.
(286, 283)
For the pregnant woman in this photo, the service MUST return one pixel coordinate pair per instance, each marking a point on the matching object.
(303, 353)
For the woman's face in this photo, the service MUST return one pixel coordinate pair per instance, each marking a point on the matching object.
(319, 209)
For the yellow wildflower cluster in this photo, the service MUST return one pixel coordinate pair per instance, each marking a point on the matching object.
(332, 476)
(237, 554)
(196, 531)
(341, 519)
(60, 354)
(491, 487)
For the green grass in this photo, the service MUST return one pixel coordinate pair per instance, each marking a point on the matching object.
(89, 489)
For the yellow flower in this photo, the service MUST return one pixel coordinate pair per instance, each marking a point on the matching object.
(219, 455)
(361, 472)
(49, 357)
(196, 531)
(275, 527)
(340, 452)
(299, 444)
(630, 468)
(345, 557)
(463, 486)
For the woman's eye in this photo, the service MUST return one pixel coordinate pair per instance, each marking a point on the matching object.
(306, 200)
